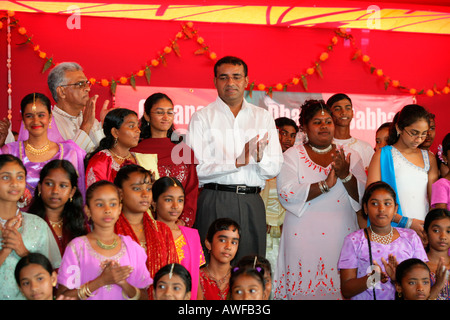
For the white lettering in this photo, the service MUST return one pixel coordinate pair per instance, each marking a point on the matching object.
(74, 20)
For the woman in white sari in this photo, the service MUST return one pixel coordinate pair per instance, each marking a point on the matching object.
(321, 186)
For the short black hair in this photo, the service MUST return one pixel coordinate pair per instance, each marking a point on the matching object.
(231, 60)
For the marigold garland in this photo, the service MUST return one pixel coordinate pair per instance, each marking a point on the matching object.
(188, 32)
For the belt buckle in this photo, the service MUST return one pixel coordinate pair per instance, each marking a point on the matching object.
(238, 187)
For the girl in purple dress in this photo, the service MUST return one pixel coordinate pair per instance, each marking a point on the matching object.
(38, 149)
(369, 256)
(103, 265)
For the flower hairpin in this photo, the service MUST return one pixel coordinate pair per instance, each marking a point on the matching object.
(440, 155)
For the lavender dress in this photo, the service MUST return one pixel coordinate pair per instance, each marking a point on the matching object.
(81, 263)
(68, 150)
(355, 255)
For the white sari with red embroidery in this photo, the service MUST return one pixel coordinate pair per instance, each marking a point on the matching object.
(313, 231)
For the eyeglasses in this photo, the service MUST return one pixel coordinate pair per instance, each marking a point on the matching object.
(235, 77)
(79, 84)
(161, 113)
(416, 135)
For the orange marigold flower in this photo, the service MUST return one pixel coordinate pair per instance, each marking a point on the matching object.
(123, 80)
(379, 72)
(412, 91)
(295, 80)
(22, 30)
(446, 90)
(36, 48)
(334, 40)
(365, 58)
(42, 54)
(92, 81)
(310, 71)
(140, 73)
(261, 86)
(190, 24)
(430, 93)
(155, 62)
(323, 56)
(105, 82)
(395, 83)
(213, 55)
(179, 34)
(279, 86)
(167, 49)
(10, 13)
(200, 40)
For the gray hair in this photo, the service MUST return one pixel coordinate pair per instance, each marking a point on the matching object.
(57, 76)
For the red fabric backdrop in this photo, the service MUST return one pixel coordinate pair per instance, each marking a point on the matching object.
(110, 48)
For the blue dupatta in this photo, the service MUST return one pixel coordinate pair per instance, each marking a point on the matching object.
(388, 174)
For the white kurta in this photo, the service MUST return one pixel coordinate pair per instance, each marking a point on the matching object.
(313, 231)
(412, 183)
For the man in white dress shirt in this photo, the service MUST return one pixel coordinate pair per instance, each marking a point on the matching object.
(237, 147)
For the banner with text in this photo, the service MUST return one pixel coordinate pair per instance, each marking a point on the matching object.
(369, 111)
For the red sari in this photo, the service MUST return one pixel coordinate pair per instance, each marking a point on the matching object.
(102, 166)
(160, 247)
(179, 165)
(210, 287)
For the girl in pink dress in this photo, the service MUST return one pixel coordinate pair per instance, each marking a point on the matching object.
(168, 201)
(440, 190)
(104, 265)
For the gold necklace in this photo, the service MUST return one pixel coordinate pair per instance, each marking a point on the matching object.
(386, 239)
(107, 246)
(218, 281)
(37, 151)
(56, 223)
(119, 157)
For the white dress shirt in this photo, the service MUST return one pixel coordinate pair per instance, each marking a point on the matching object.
(218, 138)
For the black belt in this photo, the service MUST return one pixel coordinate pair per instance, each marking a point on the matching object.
(232, 188)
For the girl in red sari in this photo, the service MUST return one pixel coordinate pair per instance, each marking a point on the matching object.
(222, 242)
(121, 128)
(59, 202)
(168, 202)
(136, 221)
(175, 158)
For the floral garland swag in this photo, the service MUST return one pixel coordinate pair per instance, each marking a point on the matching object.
(188, 32)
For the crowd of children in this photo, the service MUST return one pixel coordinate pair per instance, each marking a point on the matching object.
(128, 236)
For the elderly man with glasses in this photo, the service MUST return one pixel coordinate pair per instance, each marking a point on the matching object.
(73, 116)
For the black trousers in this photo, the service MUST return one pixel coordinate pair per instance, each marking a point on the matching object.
(247, 210)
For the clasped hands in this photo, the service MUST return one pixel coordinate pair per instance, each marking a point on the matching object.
(113, 273)
(254, 148)
(11, 237)
(89, 113)
(340, 166)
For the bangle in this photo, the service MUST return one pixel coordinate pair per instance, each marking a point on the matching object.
(409, 223)
(323, 186)
(347, 178)
(84, 292)
(402, 222)
(136, 296)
